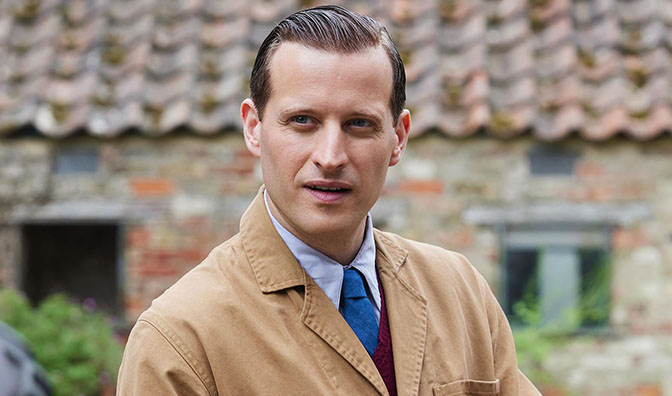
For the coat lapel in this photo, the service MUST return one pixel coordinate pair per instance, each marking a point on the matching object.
(320, 315)
(407, 315)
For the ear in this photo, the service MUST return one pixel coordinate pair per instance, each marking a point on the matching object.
(251, 126)
(401, 131)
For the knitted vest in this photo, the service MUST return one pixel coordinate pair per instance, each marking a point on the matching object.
(382, 356)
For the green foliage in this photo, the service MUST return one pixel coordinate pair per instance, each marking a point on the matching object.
(595, 290)
(537, 338)
(534, 343)
(74, 346)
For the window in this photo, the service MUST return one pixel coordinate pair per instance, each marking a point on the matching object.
(79, 259)
(552, 160)
(77, 160)
(556, 274)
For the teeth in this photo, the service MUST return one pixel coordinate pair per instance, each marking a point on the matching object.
(326, 188)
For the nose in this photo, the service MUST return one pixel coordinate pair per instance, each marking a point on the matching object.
(330, 148)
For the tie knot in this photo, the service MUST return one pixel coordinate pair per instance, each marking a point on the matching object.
(353, 284)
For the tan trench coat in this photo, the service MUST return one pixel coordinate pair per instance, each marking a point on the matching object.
(249, 321)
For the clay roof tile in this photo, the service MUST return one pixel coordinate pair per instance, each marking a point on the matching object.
(546, 67)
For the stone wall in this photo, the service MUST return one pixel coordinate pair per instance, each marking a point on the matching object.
(176, 197)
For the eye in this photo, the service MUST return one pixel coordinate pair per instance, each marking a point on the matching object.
(360, 123)
(301, 119)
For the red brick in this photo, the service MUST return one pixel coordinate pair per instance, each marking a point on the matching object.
(665, 328)
(590, 193)
(172, 254)
(599, 194)
(648, 390)
(139, 236)
(166, 263)
(156, 269)
(628, 239)
(551, 390)
(133, 304)
(588, 170)
(421, 186)
(633, 190)
(191, 255)
(152, 187)
(194, 222)
(242, 167)
(243, 164)
(457, 239)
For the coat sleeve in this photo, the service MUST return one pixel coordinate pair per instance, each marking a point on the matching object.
(153, 365)
(512, 381)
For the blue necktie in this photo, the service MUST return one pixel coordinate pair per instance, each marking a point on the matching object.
(358, 310)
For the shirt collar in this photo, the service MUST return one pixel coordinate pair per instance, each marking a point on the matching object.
(327, 272)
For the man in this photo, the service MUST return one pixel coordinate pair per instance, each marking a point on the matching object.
(309, 299)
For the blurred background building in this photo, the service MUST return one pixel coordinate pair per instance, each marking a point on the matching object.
(541, 150)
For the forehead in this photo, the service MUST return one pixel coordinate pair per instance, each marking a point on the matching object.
(367, 73)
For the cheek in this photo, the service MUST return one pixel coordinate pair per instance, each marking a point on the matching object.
(279, 160)
(282, 146)
(375, 165)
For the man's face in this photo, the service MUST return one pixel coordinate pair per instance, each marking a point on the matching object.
(327, 138)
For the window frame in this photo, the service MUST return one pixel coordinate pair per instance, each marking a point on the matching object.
(568, 237)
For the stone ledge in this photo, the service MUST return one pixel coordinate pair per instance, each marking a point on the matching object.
(558, 212)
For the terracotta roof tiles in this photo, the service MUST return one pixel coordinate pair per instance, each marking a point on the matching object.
(547, 67)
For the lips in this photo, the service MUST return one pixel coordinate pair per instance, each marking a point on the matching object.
(328, 192)
(320, 188)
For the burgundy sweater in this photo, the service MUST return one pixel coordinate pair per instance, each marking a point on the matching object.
(382, 356)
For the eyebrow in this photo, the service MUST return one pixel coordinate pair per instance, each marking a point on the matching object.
(296, 110)
(308, 111)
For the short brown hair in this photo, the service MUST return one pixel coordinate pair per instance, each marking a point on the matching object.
(330, 28)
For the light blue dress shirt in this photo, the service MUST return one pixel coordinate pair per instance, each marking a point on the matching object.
(327, 272)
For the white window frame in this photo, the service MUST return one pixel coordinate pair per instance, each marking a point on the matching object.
(558, 246)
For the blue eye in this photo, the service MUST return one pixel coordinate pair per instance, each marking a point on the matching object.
(360, 123)
(301, 119)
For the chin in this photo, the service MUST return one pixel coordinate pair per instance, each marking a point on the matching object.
(322, 226)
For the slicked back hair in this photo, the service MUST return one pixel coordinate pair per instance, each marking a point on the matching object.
(330, 28)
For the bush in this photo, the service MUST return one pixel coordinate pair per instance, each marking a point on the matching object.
(76, 347)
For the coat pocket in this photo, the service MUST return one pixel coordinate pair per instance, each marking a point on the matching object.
(468, 388)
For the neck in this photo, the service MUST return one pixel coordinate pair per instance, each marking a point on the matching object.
(341, 245)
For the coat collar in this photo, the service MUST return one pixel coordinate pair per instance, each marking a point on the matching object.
(273, 264)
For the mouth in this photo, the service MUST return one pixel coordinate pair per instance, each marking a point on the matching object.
(330, 189)
(328, 192)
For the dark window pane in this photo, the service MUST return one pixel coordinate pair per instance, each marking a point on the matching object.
(76, 259)
(77, 160)
(595, 280)
(551, 160)
(522, 291)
